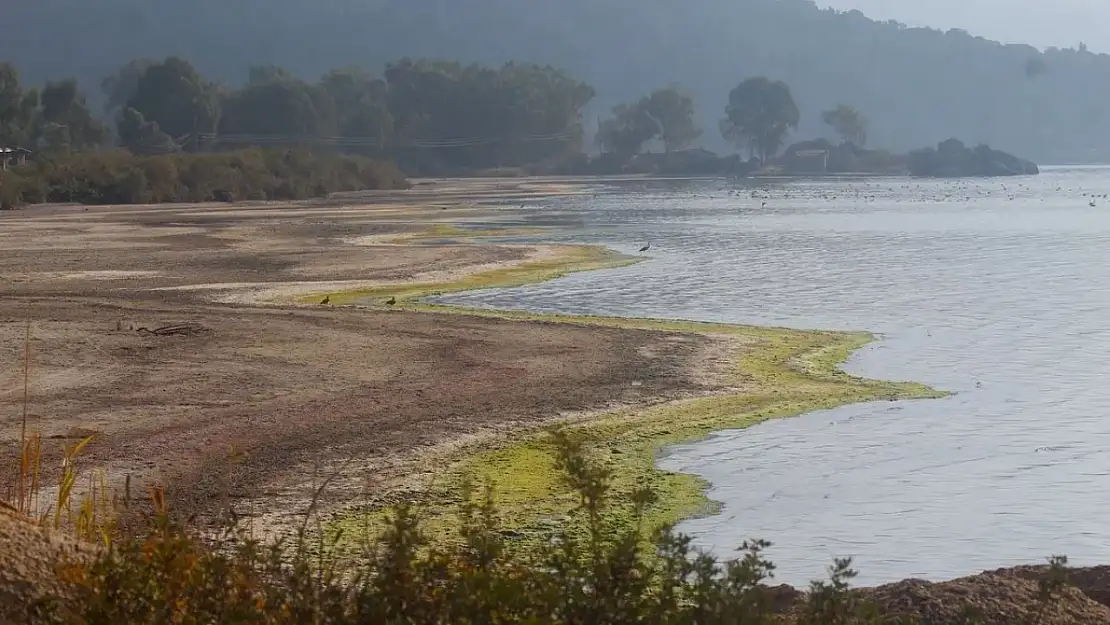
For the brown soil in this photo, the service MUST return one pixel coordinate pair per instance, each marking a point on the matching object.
(1002, 597)
(214, 399)
(30, 562)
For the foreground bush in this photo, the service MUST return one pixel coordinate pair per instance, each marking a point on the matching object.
(604, 575)
(118, 177)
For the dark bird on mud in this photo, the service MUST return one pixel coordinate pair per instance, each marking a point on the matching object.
(645, 248)
(391, 301)
(326, 300)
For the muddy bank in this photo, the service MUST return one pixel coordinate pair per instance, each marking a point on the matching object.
(186, 340)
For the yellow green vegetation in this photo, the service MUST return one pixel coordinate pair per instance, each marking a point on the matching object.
(776, 373)
(567, 260)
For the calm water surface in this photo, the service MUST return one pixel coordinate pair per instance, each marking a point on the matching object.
(998, 290)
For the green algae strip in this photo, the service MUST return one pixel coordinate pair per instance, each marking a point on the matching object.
(777, 373)
(571, 259)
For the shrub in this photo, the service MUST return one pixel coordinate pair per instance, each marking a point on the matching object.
(608, 574)
(118, 177)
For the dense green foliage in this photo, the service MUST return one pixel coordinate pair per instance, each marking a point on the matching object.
(431, 116)
(609, 574)
(759, 115)
(119, 177)
(53, 118)
(917, 86)
(848, 123)
(666, 115)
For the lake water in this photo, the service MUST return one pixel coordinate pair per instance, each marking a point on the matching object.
(997, 290)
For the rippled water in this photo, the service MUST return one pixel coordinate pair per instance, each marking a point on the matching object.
(997, 290)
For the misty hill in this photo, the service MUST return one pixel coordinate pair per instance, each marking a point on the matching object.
(917, 86)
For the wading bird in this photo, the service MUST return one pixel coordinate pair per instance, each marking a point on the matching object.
(391, 301)
(326, 300)
(645, 248)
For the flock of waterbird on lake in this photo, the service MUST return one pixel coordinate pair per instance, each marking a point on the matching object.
(869, 192)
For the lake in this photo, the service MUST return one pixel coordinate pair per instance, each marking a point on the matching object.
(997, 290)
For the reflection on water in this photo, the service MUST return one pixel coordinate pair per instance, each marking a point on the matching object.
(996, 289)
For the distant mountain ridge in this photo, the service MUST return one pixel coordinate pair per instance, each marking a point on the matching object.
(917, 86)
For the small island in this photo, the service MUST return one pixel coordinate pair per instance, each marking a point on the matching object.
(950, 159)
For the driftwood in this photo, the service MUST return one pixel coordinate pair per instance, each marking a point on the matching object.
(179, 329)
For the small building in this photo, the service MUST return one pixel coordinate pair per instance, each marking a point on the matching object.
(808, 161)
(10, 157)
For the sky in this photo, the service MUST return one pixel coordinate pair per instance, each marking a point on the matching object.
(1041, 23)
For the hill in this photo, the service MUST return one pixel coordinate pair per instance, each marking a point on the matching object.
(917, 86)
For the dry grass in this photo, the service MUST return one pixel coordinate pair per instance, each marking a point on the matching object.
(86, 511)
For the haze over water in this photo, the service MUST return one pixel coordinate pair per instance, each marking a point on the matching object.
(997, 290)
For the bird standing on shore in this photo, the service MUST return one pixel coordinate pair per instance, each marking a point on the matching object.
(391, 301)
(645, 248)
(326, 300)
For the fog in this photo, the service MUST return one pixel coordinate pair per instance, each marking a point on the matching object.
(1042, 23)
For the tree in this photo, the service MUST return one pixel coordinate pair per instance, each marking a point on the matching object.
(665, 114)
(119, 87)
(266, 74)
(626, 132)
(175, 96)
(140, 136)
(361, 107)
(673, 112)
(18, 109)
(759, 114)
(447, 113)
(277, 107)
(65, 122)
(847, 122)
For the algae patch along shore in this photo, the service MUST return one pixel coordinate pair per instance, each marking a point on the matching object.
(772, 373)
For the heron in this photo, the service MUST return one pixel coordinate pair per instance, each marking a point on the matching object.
(645, 248)
(391, 301)
(326, 300)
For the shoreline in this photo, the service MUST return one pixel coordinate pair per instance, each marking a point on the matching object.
(774, 373)
(326, 378)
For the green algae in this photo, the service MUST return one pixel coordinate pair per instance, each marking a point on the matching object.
(570, 259)
(776, 373)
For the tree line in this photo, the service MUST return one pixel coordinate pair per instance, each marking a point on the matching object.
(917, 85)
(429, 116)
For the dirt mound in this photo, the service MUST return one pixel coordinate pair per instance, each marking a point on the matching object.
(29, 561)
(1003, 597)
(1094, 581)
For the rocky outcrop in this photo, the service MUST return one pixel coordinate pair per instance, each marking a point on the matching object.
(952, 159)
(1003, 597)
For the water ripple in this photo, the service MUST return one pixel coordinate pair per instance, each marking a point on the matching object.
(998, 290)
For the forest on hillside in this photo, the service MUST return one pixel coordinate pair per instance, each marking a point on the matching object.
(918, 86)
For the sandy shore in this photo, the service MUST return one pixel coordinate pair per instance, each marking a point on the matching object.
(256, 393)
(189, 339)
